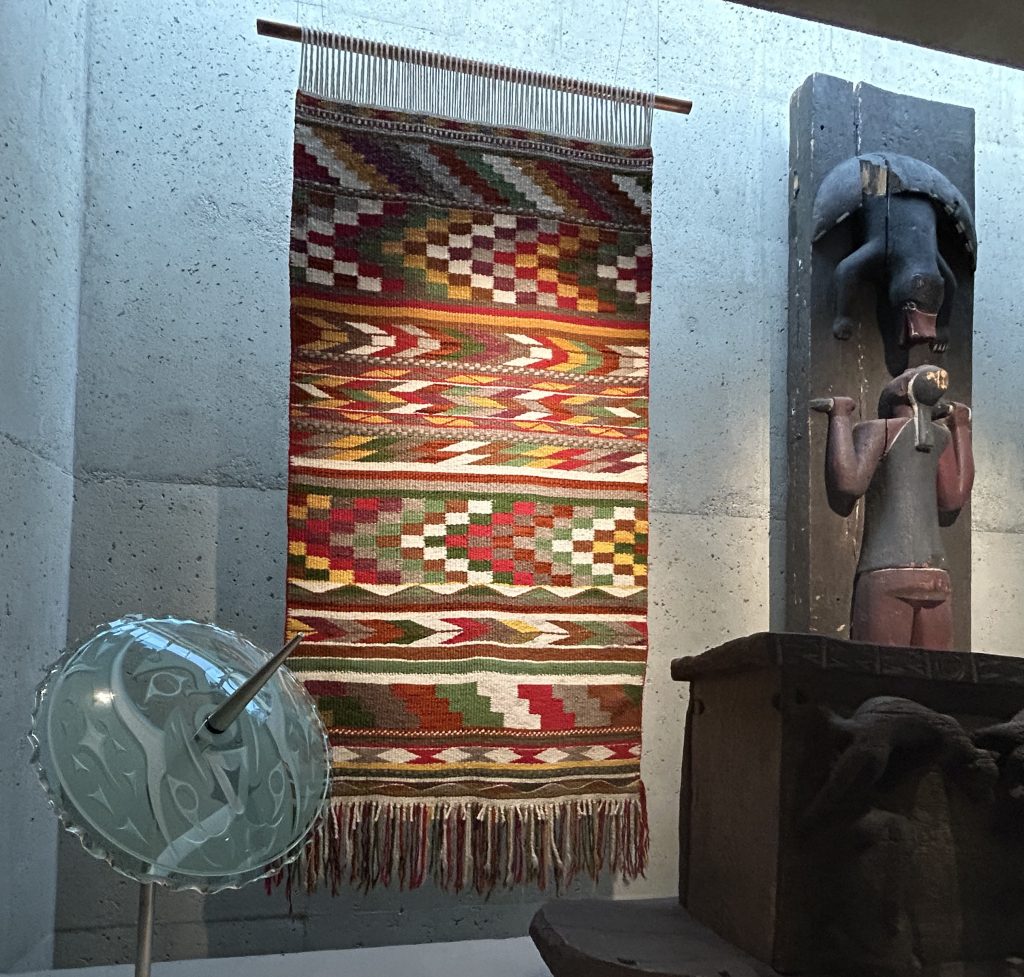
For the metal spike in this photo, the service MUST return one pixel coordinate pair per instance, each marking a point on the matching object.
(228, 711)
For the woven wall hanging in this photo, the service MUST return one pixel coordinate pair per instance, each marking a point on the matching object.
(467, 498)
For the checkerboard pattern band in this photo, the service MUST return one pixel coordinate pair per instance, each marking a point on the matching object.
(467, 500)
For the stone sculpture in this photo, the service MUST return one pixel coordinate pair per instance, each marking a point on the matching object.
(899, 203)
(912, 465)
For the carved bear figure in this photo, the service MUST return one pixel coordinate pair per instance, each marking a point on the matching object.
(898, 203)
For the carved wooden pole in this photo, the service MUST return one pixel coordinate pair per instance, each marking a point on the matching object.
(832, 120)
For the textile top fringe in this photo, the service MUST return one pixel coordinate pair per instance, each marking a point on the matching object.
(428, 83)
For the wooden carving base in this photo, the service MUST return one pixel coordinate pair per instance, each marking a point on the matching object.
(853, 810)
(627, 938)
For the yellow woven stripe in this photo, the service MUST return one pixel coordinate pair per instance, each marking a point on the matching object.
(505, 323)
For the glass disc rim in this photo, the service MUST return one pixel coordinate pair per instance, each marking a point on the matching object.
(75, 823)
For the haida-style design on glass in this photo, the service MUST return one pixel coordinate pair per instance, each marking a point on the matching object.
(131, 765)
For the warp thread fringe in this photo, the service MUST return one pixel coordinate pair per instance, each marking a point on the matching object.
(478, 844)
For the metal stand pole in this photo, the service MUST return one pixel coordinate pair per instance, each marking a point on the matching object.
(144, 935)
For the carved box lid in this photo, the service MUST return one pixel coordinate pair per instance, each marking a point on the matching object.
(786, 651)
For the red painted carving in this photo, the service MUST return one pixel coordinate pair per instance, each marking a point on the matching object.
(911, 465)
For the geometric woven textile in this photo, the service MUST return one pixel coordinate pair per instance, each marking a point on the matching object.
(467, 497)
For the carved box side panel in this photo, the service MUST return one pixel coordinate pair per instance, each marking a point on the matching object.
(732, 816)
(901, 838)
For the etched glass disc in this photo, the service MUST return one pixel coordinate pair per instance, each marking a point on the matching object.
(123, 752)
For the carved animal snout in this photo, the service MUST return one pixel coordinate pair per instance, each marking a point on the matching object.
(926, 291)
(918, 295)
(918, 325)
(903, 207)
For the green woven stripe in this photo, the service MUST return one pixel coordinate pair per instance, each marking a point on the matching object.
(474, 708)
(626, 495)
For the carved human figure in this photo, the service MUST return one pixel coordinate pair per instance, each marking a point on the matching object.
(911, 464)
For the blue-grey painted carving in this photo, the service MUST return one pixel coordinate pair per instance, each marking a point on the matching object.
(899, 205)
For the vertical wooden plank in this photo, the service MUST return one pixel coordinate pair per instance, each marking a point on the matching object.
(732, 860)
(821, 548)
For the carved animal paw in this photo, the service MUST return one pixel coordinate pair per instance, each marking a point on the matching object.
(985, 765)
(980, 776)
(843, 327)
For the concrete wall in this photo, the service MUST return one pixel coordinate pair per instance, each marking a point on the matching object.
(42, 113)
(181, 422)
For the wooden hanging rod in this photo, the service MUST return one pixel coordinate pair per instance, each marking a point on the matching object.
(292, 32)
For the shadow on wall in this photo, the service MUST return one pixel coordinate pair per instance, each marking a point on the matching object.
(249, 921)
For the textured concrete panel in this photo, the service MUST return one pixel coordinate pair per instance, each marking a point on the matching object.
(719, 297)
(41, 195)
(42, 73)
(709, 360)
(187, 235)
(998, 593)
(205, 552)
(35, 514)
(998, 347)
(184, 351)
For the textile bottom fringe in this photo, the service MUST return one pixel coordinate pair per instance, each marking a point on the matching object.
(478, 844)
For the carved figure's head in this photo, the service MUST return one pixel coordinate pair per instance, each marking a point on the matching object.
(926, 385)
(918, 385)
(918, 296)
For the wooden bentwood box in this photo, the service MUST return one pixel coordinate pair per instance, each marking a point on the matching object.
(837, 812)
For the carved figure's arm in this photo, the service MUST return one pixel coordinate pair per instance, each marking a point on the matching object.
(851, 454)
(850, 272)
(955, 476)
